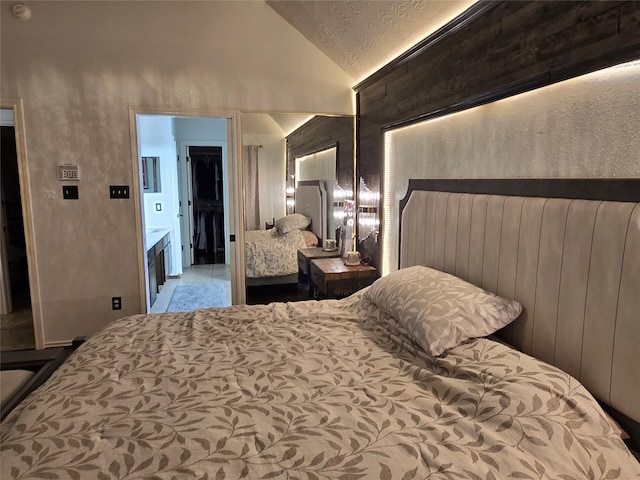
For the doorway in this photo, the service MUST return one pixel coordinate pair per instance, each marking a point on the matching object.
(16, 324)
(192, 204)
(207, 199)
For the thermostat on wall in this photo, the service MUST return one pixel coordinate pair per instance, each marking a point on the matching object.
(68, 172)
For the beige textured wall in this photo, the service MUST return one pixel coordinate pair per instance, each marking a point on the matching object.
(79, 66)
(582, 128)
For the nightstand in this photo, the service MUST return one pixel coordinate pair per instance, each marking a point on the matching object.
(333, 279)
(305, 255)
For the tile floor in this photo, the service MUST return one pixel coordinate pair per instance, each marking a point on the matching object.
(196, 274)
(16, 331)
(16, 328)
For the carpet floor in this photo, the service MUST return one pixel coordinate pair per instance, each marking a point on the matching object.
(186, 298)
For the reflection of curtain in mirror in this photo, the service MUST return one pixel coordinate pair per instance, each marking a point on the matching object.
(251, 188)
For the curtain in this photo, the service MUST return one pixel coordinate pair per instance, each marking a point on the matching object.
(251, 187)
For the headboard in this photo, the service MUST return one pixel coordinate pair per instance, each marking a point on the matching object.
(311, 200)
(573, 263)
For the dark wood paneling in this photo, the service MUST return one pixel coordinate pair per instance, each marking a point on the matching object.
(494, 50)
(322, 132)
(491, 51)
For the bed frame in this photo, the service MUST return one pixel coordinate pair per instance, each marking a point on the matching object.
(567, 250)
(311, 200)
(39, 363)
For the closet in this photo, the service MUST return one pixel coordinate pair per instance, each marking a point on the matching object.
(208, 207)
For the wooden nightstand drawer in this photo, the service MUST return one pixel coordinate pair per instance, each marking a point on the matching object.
(333, 279)
(305, 255)
(317, 277)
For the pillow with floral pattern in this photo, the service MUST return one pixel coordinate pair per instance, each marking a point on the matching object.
(439, 310)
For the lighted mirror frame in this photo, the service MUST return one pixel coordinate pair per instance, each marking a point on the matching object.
(320, 165)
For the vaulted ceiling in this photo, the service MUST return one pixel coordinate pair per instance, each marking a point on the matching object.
(361, 36)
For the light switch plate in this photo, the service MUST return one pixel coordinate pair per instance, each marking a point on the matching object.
(70, 192)
(119, 191)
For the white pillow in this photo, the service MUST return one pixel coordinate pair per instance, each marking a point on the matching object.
(295, 221)
(439, 310)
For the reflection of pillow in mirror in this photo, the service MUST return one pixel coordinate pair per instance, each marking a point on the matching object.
(310, 238)
(439, 310)
(295, 221)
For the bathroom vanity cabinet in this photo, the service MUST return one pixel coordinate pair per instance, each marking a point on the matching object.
(158, 260)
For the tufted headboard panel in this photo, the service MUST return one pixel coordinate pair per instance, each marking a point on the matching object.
(573, 264)
(311, 200)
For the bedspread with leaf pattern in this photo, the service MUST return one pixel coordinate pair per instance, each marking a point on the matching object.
(269, 254)
(307, 390)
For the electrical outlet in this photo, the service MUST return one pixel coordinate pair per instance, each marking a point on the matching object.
(119, 191)
(116, 303)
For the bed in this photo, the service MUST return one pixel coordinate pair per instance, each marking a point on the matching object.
(358, 388)
(271, 255)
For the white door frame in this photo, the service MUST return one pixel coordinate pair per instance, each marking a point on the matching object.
(184, 194)
(236, 196)
(27, 216)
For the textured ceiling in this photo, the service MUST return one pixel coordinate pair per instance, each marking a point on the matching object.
(361, 36)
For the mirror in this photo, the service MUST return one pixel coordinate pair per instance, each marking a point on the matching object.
(320, 166)
(151, 174)
(289, 148)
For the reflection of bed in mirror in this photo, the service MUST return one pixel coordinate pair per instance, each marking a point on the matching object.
(271, 255)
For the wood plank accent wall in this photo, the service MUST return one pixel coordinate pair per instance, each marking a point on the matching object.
(320, 133)
(491, 51)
